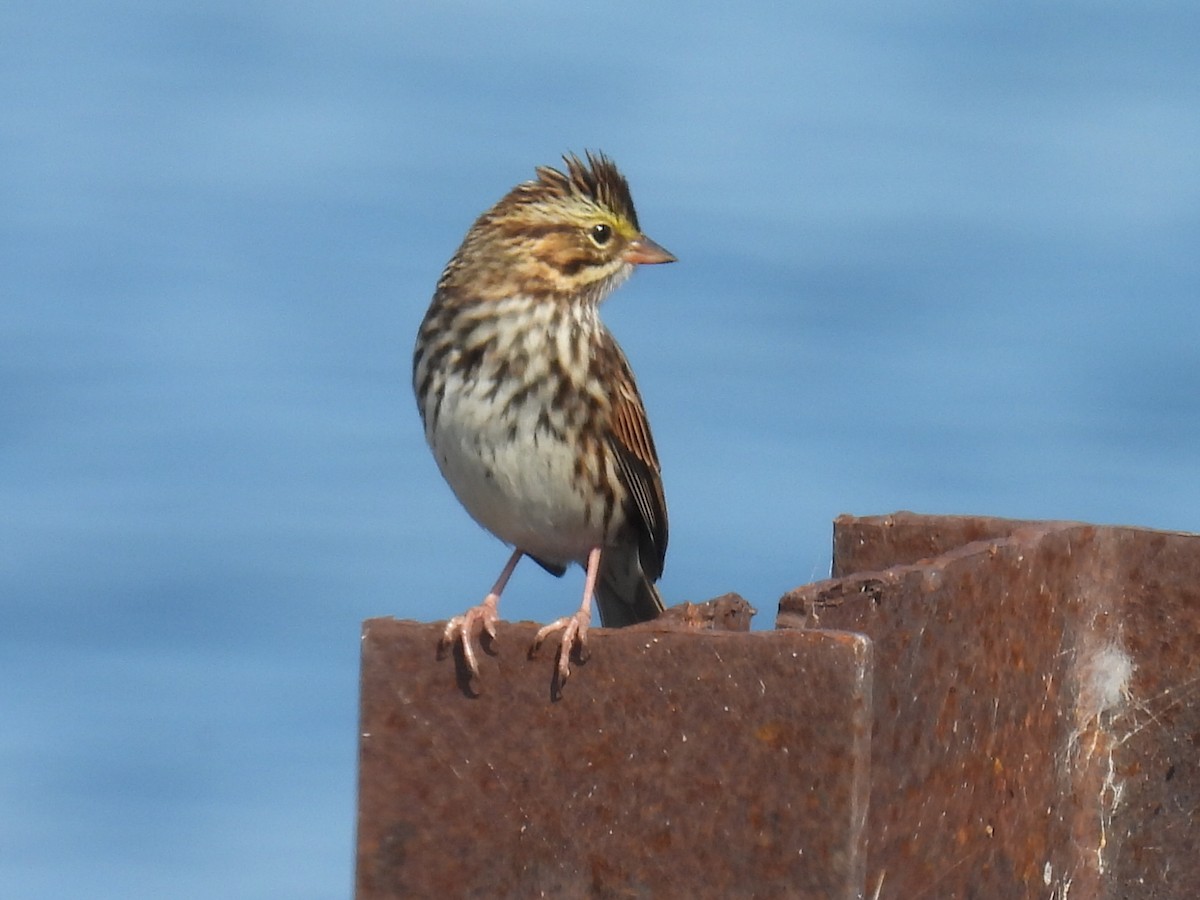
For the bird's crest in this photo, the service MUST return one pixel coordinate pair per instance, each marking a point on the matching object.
(594, 178)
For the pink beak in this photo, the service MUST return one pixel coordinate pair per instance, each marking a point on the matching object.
(642, 251)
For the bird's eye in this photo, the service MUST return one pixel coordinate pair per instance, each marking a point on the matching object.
(601, 233)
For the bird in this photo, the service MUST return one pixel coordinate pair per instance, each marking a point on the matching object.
(530, 406)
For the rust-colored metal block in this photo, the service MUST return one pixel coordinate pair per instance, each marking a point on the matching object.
(675, 764)
(879, 542)
(1036, 719)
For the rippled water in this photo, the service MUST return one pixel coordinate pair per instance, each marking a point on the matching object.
(931, 257)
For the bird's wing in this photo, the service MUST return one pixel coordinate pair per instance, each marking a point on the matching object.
(637, 462)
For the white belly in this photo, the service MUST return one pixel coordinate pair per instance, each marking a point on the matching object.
(520, 487)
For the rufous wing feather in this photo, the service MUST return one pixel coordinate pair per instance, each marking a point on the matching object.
(637, 463)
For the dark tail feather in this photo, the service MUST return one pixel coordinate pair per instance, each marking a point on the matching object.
(625, 596)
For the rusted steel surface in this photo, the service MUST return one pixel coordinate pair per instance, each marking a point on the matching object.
(675, 764)
(1036, 717)
(880, 542)
(729, 612)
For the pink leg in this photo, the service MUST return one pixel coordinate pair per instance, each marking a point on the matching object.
(574, 627)
(486, 613)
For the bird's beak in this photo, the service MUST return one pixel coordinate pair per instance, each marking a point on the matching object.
(642, 251)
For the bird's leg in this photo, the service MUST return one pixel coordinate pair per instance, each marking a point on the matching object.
(574, 627)
(460, 627)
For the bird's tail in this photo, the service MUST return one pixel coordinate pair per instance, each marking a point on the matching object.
(623, 592)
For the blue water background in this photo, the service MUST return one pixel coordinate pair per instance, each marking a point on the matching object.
(933, 256)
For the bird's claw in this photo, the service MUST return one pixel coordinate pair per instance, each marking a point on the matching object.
(460, 629)
(574, 634)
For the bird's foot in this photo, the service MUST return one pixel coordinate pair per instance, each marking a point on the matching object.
(461, 628)
(574, 635)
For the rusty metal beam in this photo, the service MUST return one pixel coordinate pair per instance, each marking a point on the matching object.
(1019, 700)
(1037, 704)
(675, 764)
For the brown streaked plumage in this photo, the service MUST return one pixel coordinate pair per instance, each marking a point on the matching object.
(529, 405)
